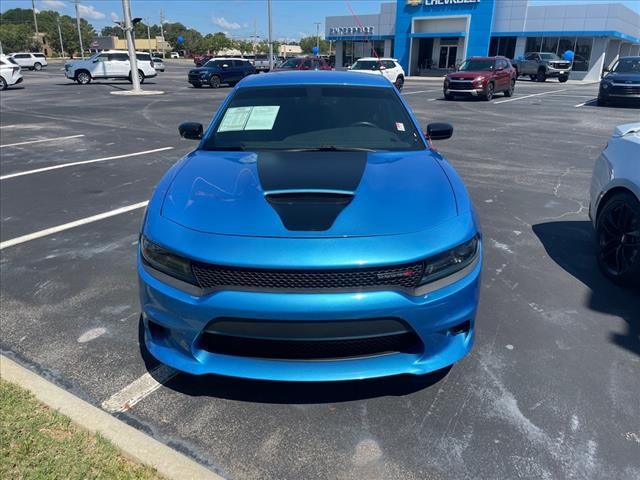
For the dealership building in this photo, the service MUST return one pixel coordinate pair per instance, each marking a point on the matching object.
(430, 36)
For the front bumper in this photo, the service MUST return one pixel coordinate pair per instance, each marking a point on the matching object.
(433, 317)
(553, 72)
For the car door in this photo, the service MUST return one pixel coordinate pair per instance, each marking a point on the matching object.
(530, 63)
(389, 70)
(98, 66)
(237, 70)
(23, 59)
(117, 65)
(502, 75)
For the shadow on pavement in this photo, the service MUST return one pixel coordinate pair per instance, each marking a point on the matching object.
(259, 391)
(571, 244)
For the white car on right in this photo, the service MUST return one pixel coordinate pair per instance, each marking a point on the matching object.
(387, 67)
(614, 208)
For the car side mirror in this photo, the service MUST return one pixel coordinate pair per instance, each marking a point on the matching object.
(439, 131)
(191, 130)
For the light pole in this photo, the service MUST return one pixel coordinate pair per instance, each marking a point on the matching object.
(149, 38)
(162, 31)
(60, 36)
(270, 42)
(79, 32)
(317, 24)
(133, 61)
(35, 19)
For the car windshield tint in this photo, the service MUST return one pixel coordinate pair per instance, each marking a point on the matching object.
(291, 63)
(366, 65)
(549, 56)
(627, 65)
(216, 63)
(477, 65)
(314, 117)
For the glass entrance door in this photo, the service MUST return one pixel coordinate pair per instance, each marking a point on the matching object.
(448, 56)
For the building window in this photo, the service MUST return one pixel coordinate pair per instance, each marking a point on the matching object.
(550, 44)
(505, 46)
(582, 54)
(353, 50)
(534, 44)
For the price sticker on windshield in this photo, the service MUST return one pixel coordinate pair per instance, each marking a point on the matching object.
(400, 126)
(249, 118)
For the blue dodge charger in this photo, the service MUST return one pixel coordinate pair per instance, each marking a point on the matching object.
(313, 235)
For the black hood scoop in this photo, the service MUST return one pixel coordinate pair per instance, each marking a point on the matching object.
(309, 190)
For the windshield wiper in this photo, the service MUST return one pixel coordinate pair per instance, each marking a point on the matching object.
(332, 148)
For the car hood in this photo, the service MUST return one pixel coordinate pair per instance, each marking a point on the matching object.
(310, 194)
(623, 77)
(201, 70)
(468, 75)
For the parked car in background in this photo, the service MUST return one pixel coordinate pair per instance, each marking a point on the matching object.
(109, 64)
(621, 83)
(31, 61)
(387, 67)
(614, 208)
(308, 62)
(262, 62)
(313, 234)
(481, 77)
(219, 71)
(158, 64)
(542, 65)
(9, 73)
(174, 55)
(200, 60)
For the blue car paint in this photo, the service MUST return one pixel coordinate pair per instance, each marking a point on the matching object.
(405, 238)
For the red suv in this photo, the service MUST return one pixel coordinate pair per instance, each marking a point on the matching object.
(481, 77)
(304, 63)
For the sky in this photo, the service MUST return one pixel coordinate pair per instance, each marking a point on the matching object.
(292, 19)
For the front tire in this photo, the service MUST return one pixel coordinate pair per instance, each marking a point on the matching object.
(3, 84)
(83, 77)
(214, 81)
(488, 95)
(37, 66)
(618, 231)
(399, 82)
(541, 76)
(563, 78)
(140, 76)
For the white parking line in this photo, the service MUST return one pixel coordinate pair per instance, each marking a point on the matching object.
(83, 162)
(588, 102)
(420, 91)
(515, 99)
(139, 389)
(57, 139)
(67, 226)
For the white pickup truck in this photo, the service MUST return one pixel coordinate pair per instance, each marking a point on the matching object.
(262, 63)
(109, 64)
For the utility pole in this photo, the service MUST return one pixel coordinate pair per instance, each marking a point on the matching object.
(162, 30)
(35, 19)
(317, 24)
(79, 32)
(60, 36)
(149, 39)
(133, 61)
(270, 40)
(255, 38)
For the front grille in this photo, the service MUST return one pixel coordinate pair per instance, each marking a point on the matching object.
(310, 349)
(560, 65)
(461, 86)
(625, 90)
(397, 277)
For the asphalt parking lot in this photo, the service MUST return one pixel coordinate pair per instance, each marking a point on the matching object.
(550, 390)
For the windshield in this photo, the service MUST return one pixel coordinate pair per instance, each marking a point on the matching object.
(291, 63)
(477, 65)
(366, 65)
(549, 56)
(216, 63)
(315, 117)
(627, 65)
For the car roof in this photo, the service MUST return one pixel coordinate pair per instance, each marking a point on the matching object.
(315, 77)
(376, 58)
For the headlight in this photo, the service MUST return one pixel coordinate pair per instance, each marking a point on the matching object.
(605, 85)
(478, 79)
(167, 262)
(450, 262)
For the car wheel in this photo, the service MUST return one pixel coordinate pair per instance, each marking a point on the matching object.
(488, 94)
(399, 82)
(37, 66)
(532, 77)
(509, 91)
(83, 77)
(140, 77)
(214, 81)
(3, 84)
(618, 231)
(563, 79)
(541, 76)
(602, 102)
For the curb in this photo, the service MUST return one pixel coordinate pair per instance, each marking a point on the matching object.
(133, 443)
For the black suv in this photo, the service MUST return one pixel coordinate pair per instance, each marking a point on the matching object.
(221, 70)
(622, 82)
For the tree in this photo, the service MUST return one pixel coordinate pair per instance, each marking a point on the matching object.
(216, 42)
(308, 44)
(244, 46)
(114, 31)
(263, 47)
(16, 38)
